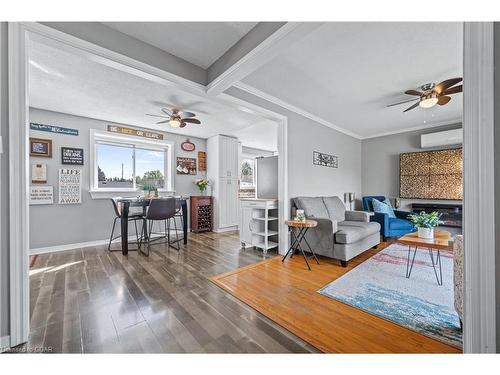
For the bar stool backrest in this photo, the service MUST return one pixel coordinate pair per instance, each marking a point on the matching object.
(117, 206)
(161, 209)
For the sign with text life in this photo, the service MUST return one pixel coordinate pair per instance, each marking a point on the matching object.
(70, 186)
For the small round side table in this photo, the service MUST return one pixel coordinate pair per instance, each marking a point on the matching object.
(303, 227)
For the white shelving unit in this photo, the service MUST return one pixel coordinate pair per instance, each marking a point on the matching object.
(258, 223)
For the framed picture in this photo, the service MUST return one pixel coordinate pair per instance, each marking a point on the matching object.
(202, 161)
(71, 156)
(39, 173)
(41, 147)
(186, 166)
(325, 160)
(41, 195)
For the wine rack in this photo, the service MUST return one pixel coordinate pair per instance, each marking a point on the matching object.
(201, 213)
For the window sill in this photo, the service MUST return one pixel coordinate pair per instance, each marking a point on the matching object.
(112, 193)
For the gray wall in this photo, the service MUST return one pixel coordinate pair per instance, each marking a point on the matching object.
(55, 224)
(306, 136)
(380, 162)
(4, 185)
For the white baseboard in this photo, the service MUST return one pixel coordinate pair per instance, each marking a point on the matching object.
(78, 245)
(4, 343)
(222, 230)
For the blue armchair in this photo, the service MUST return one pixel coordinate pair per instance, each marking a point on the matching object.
(389, 227)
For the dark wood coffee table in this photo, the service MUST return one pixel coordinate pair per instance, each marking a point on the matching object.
(441, 241)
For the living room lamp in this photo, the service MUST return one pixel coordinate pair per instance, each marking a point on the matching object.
(349, 197)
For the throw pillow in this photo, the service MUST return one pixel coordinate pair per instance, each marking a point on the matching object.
(383, 207)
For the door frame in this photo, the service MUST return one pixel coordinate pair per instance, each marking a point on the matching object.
(19, 32)
(479, 190)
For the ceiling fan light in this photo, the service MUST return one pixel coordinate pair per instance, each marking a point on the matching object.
(428, 101)
(174, 123)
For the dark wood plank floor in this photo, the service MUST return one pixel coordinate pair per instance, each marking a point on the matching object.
(93, 301)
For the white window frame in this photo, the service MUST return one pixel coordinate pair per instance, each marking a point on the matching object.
(249, 157)
(98, 136)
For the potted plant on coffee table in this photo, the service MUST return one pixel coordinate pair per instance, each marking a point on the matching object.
(426, 223)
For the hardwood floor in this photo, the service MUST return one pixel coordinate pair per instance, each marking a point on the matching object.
(92, 301)
(291, 299)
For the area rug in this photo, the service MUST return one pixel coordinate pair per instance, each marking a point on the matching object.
(379, 286)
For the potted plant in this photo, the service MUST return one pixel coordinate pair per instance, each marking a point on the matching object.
(202, 184)
(147, 187)
(426, 223)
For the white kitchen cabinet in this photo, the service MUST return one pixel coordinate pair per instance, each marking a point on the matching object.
(223, 171)
(259, 223)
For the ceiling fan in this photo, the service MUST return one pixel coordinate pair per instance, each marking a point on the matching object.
(176, 118)
(432, 94)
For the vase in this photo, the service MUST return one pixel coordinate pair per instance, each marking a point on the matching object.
(203, 192)
(427, 233)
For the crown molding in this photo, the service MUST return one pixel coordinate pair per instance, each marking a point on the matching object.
(419, 127)
(272, 99)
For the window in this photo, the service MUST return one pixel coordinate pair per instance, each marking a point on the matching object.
(247, 173)
(123, 163)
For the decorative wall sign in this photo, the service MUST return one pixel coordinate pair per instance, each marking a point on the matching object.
(188, 145)
(41, 147)
(39, 173)
(186, 166)
(41, 195)
(72, 156)
(53, 129)
(136, 132)
(325, 160)
(70, 186)
(202, 161)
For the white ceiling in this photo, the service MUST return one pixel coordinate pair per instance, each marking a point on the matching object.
(200, 43)
(346, 74)
(62, 81)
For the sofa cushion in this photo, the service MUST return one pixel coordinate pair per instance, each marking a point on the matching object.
(312, 206)
(353, 231)
(400, 224)
(383, 207)
(335, 208)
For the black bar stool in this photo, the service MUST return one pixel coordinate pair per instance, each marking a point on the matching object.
(117, 206)
(162, 209)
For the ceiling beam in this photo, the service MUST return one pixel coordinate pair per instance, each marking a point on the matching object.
(264, 42)
(113, 40)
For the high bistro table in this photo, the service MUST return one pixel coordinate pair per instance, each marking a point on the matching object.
(144, 202)
(303, 227)
(441, 241)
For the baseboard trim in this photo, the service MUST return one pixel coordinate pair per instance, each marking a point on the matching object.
(78, 245)
(4, 343)
(222, 230)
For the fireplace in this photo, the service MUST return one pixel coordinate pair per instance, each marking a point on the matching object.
(451, 214)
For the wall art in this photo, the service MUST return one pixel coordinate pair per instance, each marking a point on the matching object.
(325, 160)
(70, 186)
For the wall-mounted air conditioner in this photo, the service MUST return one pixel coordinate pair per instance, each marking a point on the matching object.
(444, 138)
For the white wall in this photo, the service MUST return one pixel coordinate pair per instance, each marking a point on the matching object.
(55, 224)
(380, 163)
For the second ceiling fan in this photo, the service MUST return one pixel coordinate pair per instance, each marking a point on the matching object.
(176, 118)
(433, 94)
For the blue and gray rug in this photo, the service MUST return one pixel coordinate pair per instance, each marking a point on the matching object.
(379, 286)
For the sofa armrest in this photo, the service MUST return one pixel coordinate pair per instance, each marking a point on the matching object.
(383, 220)
(402, 214)
(358, 216)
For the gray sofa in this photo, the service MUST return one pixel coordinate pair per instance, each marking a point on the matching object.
(340, 234)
